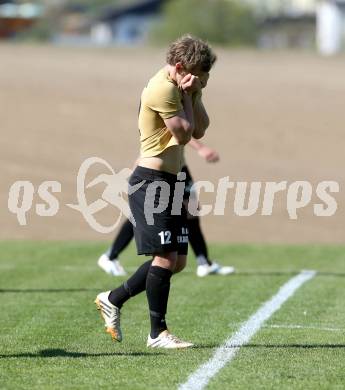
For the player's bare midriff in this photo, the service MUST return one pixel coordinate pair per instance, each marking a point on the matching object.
(170, 160)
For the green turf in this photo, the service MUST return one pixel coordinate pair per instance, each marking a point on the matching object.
(52, 337)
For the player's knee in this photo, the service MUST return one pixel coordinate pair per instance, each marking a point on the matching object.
(180, 264)
(166, 260)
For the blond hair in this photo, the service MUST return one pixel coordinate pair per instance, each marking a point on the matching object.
(192, 52)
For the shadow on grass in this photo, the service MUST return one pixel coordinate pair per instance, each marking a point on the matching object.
(53, 353)
(56, 353)
(239, 273)
(49, 290)
(283, 346)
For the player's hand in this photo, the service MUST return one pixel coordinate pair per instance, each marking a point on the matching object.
(209, 154)
(204, 79)
(190, 84)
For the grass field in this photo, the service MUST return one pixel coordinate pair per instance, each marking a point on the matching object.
(52, 336)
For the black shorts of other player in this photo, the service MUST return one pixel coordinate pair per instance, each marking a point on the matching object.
(168, 232)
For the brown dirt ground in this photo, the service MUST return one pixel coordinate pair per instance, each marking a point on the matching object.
(274, 116)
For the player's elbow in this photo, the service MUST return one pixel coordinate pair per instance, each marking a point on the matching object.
(207, 123)
(199, 133)
(183, 133)
(181, 128)
(184, 136)
(200, 130)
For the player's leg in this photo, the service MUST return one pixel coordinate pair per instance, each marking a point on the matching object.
(110, 302)
(109, 261)
(158, 288)
(181, 263)
(158, 285)
(137, 282)
(156, 276)
(157, 291)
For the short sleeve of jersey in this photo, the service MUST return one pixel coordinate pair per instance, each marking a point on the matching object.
(165, 99)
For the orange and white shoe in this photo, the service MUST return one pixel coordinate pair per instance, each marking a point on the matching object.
(110, 315)
(167, 340)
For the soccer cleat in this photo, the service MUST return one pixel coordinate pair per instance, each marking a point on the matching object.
(214, 269)
(167, 340)
(110, 315)
(112, 267)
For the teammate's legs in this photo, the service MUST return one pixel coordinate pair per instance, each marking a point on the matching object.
(205, 265)
(195, 236)
(123, 238)
(197, 241)
(109, 261)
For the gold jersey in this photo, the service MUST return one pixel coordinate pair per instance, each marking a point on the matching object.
(161, 99)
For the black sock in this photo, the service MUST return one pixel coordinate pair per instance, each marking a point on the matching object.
(122, 239)
(157, 291)
(133, 286)
(197, 241)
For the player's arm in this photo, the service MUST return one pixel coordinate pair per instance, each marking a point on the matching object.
(201, 118)
(182, 124)
(193, 110)
(204, 151)
(176, 113)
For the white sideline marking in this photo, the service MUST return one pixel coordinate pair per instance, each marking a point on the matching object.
(226, 352)
(295, 326)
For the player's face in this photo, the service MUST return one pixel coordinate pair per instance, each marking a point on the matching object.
(181, 73)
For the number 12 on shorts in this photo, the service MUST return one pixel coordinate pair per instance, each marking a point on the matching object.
(165, 236)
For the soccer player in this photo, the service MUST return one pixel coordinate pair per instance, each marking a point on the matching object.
(109, 261)
(168, 120)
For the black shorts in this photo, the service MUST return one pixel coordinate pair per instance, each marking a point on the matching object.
(157, 230)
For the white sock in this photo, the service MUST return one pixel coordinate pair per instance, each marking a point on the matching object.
(201, 260)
